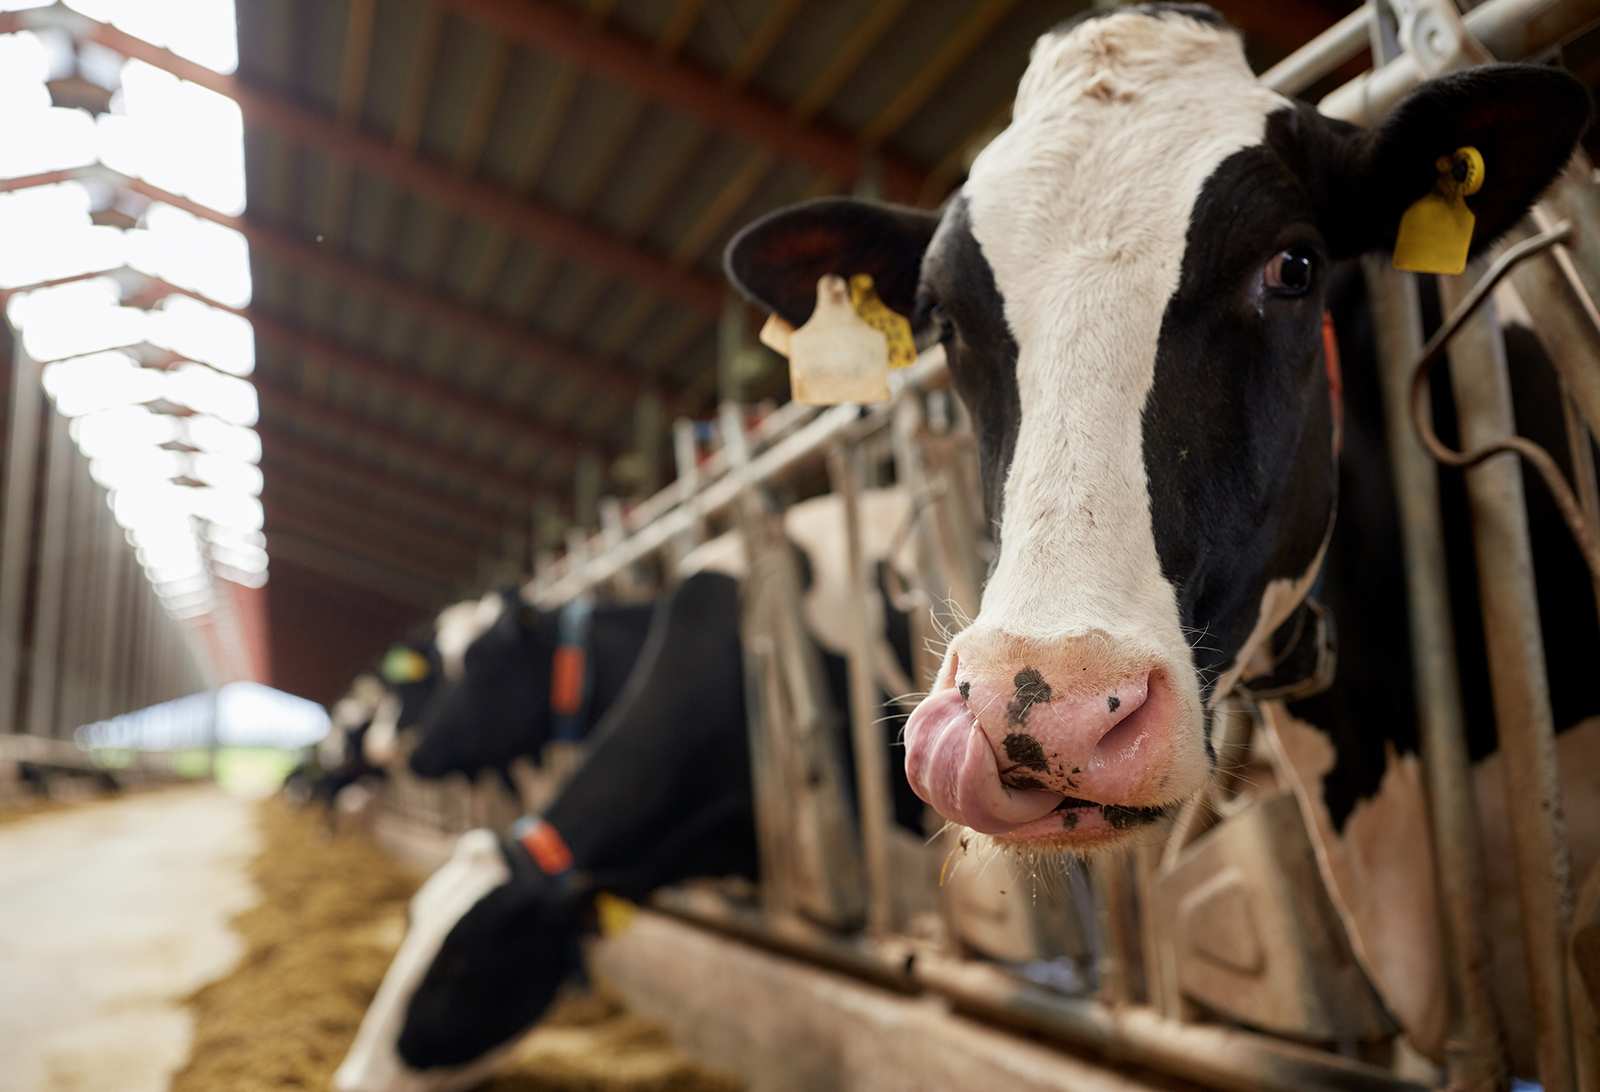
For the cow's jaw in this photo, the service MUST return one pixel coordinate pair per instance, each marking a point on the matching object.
(373, 1063)
(1081, 211)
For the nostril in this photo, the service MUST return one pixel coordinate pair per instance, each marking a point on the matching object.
(1123, 723)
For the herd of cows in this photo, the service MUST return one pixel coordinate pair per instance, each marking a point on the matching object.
(1185, 473)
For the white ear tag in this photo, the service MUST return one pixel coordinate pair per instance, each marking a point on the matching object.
(836, 356)
(775, 335)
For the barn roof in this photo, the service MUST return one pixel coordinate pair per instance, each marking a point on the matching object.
(483, 230)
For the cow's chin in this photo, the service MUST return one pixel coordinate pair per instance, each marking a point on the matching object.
(1085, 829)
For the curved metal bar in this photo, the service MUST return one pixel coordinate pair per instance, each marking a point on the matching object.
(1540, 459)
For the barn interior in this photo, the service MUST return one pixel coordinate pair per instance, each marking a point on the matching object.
(378, 419)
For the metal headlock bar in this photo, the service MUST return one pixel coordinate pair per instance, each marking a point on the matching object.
(1236, 846)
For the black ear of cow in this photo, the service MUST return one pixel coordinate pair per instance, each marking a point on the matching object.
(1524, 119)
(777, 261)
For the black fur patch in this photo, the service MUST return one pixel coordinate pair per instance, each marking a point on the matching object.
(1031, 690)
(1121, 817)
(958, 287)
(1025, 751)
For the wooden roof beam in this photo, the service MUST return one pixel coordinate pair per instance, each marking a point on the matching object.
(283, 524)
(376, 527)
(539, 223)
(546, 353)
(312, 458)
(416, 518)
(387, 376)
(633, 62)
(308, 555)
(353, 64)
(281, 400)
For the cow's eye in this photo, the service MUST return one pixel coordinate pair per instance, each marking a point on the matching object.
(1290, 272)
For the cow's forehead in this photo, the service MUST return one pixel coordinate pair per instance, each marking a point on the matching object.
(1117, 125)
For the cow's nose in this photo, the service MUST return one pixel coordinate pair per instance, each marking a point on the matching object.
(1075, 735)
(1019, 725)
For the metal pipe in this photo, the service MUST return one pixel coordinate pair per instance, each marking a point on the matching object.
(876, 814)
(1573, 197)
(1218, 1057)
(1517, 676)
(1580, 449)
(1321, 56)
(1508, 441)
(16, 524)
(1474, 1053)
(802, 446)
(49, 607)
(1512, 30)
(1570, 337)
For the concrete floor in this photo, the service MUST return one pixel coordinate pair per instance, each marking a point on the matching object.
(110, 915)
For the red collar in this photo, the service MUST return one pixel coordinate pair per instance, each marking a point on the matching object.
(1330, 360)
(544, 844)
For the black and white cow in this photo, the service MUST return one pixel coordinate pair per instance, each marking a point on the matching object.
(341, 756)
(1130, 289)
(411, 671)
(665, 795)
(526, 676)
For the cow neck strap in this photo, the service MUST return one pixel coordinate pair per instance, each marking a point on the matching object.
(571, 682)
(1330, 361)
(544, 844)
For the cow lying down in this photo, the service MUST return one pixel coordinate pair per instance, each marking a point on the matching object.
(664, 796)
(1130, 289)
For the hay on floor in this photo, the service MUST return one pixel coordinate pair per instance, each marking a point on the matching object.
(317, 944)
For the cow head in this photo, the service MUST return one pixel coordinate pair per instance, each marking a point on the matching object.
(489, 941)
(410, 673)
(1129, 290)
(497, 708)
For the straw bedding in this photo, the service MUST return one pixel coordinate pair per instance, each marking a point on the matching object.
(331, 912)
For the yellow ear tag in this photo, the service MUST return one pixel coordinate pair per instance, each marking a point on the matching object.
(404, 665)
(1436, 232)
(837, 356)
(614, 914)
(894, 326)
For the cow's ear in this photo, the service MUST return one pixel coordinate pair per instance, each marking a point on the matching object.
(1524, 120)
(777, 260)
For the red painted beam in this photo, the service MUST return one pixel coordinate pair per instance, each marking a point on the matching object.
(542, 224)
(378, 530)
(608, 377)
(633, 62)
(428, 570)
(279, 402)
(317, 459)
(397, 380)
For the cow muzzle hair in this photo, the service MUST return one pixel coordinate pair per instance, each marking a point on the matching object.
(1071, 742)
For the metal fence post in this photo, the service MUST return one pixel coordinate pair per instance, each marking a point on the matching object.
(43, 675)
(1517, 678)
(16, 525)
(845, 471)
(1475, 1056)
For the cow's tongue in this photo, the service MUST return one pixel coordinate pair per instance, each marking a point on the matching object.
(951, 765)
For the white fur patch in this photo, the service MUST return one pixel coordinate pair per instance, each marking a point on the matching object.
(373, 1063)
(383, 734)
(459, 625)
(1081, 207)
